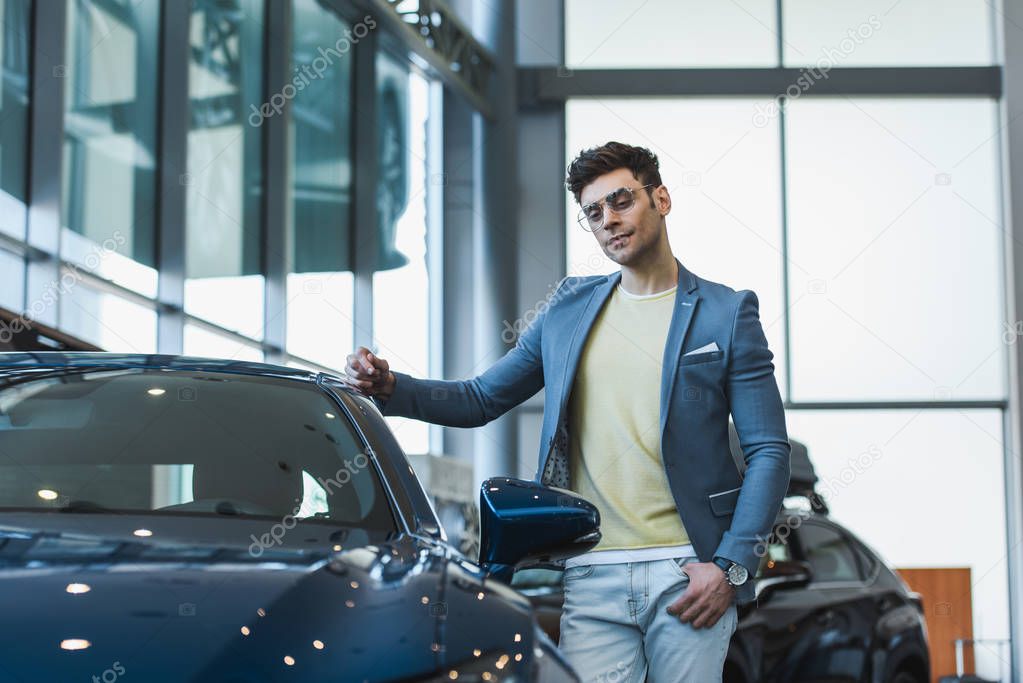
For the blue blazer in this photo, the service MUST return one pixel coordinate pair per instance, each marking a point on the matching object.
(727, 513)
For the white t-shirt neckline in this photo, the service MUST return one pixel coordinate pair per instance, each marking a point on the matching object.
(655, 295)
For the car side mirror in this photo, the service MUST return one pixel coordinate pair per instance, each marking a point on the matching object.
(523, 522)
(781, 574)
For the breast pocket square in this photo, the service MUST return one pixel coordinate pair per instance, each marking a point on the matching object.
(706, 348)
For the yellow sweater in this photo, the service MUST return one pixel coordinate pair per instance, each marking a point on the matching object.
(615, 453)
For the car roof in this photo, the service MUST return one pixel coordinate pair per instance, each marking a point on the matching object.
(12, 362)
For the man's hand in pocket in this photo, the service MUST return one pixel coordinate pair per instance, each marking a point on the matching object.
(707, 597)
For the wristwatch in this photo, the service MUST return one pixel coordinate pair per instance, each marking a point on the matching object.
(735, 574)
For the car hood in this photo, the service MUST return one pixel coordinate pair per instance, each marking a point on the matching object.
(163, 609)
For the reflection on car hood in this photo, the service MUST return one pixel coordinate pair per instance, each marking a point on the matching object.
(156, 609)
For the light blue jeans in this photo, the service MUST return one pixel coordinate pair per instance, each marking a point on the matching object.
(614, 627)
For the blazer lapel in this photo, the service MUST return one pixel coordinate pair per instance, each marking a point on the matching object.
(598, 297)
(685, 305)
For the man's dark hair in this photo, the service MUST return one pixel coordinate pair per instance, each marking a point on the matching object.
(596, 161)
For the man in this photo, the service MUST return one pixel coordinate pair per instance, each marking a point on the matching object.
(641, 368)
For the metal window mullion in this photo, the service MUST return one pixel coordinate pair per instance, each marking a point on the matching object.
(364, 230)
(276, 179)
(786, 311)
(173, 124)
(779, 13)
(1010, 148)
(966, 404)
(435, 190)
(538, 85)
(145, 194)
(46, 135)
(458, 165)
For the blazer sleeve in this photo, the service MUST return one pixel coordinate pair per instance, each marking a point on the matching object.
(759, 418)
(515, 377)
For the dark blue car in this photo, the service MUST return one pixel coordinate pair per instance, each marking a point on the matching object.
(177, 519)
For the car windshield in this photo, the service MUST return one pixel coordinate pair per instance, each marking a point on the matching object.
(180, 442)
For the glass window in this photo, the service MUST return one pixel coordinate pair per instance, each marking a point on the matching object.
(670, 33)
(778, 550)
(320, 317)
(866, 559)
(828, 553)
(12, 281)
(109, 188)
(401, 283)
(203, 342)
(106, 320)
(300, 365)
(879, 468)
(719, 160)
(321, 284)
(14, 41)
(224, 182)
(883, 195)
(832, 33)
(186, 443)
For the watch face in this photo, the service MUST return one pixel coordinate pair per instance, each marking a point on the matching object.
(737, 575)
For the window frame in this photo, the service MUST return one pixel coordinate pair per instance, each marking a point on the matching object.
(865, 578)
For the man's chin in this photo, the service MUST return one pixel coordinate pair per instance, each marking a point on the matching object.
(618, 257)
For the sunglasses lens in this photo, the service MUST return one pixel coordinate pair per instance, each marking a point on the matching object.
(594, 216)
(622, 199)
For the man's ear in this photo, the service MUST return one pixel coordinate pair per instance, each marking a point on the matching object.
(663, 200)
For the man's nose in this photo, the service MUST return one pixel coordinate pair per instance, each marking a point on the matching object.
(611, 218)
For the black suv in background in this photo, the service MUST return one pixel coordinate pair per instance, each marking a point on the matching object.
(828, 607)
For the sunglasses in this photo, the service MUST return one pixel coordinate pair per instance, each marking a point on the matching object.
(591, 216)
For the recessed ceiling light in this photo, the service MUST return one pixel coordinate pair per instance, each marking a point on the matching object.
(142, 532)
(74, 644)
(330, 416)
(78, 588)
(156, 392)
(47, 494)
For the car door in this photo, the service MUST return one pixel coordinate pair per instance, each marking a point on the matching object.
(765, 646)
(833, 616)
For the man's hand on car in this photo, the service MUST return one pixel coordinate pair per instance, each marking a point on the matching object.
(369, 374)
